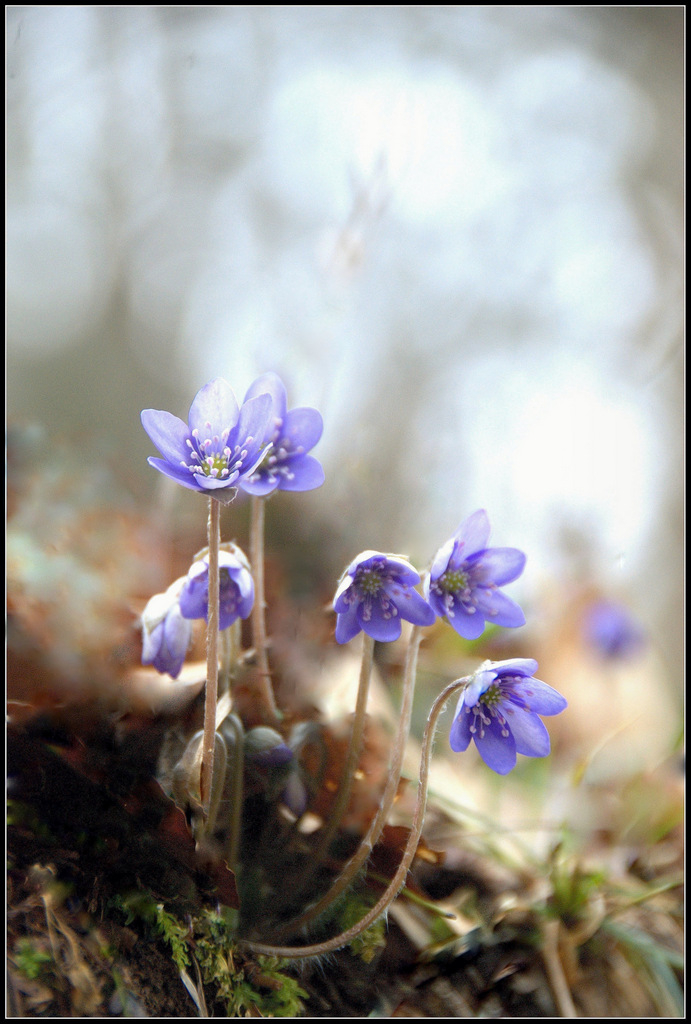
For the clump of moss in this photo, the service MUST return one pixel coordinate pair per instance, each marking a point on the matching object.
(30, 959)
(256, 986)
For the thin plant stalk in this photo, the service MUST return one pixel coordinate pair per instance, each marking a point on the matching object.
(211, 693)
(398, 880)
(374, 831)
(265, 691)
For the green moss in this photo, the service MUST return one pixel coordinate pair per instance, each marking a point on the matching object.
(367, 943)
(30, 960)
(246, 987)
(165, 925)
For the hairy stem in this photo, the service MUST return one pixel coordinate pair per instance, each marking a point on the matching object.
(208, 742)
(265, 691)
(370, 840)
(396, 884)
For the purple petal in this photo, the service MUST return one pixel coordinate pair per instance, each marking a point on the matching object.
(497, 751)
(347, 625)
(244, 587)
(168, 433)
(194, 598)
(270, 384)
(228, 612)
(167, 644)
(217, 483)
(378, 624)
(214, 404)
(180, 474)
(460, 734)
(302, 428)
(402, 571)
(151, 643)
(365, 560)
(414, 608)
(498, 608)
(339, 602)
(441, 560)
(260, 486)
(515, 666)
(540, 697)
(499, 565)
(479, 684)
(468, 625)
(306, 474)
(177, 633)
(242, 579)
(245, 605)
(254, 422)
(435, 601)
(474, 533)
(529, 732)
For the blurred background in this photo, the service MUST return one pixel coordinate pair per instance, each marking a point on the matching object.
(455, 230)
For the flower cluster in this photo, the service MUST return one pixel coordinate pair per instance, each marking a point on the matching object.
(166, 620)
(499, 709)
(260, 447)
(257, 446)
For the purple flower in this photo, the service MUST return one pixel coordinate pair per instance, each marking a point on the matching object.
(220, 444)
(499, 710)
(236, 589)
(612, 630)
(465, 576)
(286, 466)
(375, 593)
(166, 634)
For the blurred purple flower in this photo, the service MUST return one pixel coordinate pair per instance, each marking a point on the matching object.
(375, 593)
(499, 710)
(295, 795)
(286, 466)
(236, 589)
(166, 634)
(612, 631)
(220, 444)
(266, 748)
(465, 576)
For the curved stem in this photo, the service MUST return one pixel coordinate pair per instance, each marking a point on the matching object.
(354, 751)
(370, 840)
(264, 689)
(208, 742)
(394, 887)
